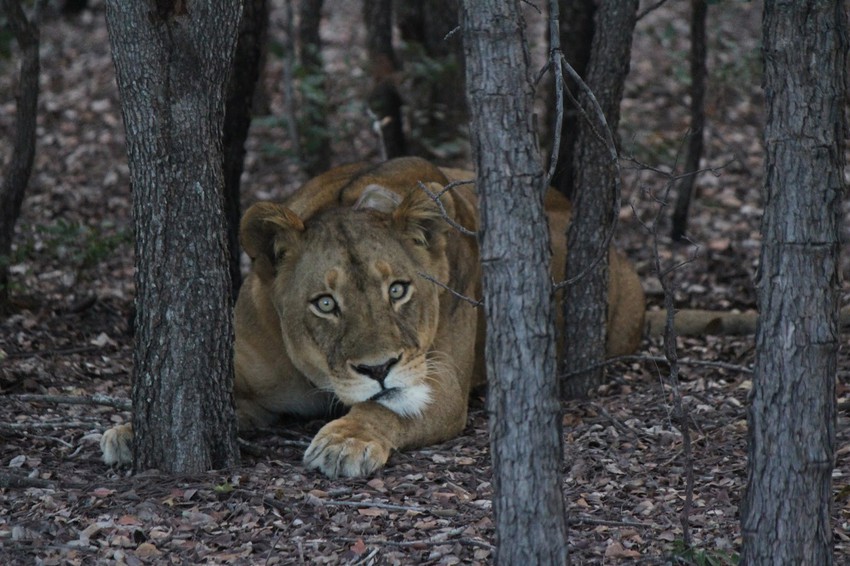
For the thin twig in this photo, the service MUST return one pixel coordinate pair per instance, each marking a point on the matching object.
(51, 425)
(608, 140)
(604, 522)
(475, 303)
(95, 400)
(680, 414)
(436, 198)
(662, 360)
(438, 539)
(618, 424)
(649, 9)
(55, 352)
(374, 505)
(555, 56)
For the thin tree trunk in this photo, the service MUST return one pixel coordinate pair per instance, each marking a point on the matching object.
(786, 511)
(315, 137)
(585, 303)
(247, 66)
(384, 99)
(172, 65)
(17, 175)
(699, 72)
(523, 396)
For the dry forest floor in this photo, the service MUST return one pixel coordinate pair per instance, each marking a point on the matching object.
(624, 469)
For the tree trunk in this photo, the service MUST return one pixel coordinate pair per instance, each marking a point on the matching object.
(172, 63)
(17, 175)
(247, 66)
(786, 511)
(585, 303)
(315, 139)
(384, 99)
(576, 36)
(699, 72)
(523, 396)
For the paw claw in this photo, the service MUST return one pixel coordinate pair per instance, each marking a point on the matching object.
(339, 451)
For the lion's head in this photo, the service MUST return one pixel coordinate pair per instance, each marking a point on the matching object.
(357, 317)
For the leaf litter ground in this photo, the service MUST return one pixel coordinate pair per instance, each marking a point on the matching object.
(624, 471)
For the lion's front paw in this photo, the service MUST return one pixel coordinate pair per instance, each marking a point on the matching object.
(343, 448)
(116, 445)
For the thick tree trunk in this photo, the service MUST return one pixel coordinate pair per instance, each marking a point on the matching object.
(585, 303)
(17, 175)
(247, 66)
(786, 511)
(172, 63)
(520, 351)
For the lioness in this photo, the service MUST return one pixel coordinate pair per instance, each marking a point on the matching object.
(342, 307)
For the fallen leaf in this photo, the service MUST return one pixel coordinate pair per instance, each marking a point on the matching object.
(359, 547)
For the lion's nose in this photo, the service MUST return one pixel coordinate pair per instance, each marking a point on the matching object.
(377, 372)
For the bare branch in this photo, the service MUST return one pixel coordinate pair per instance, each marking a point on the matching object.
(581, 520)
(436, 198)
(555, 56)
(475, 303)
(650, 9)
(14, 481)
(438, 539)
(608, 140)
(373, 505)
(662, 360)
(680, 416)
(53, 425)
(97, 399)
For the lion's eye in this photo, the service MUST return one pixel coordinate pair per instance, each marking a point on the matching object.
(398, 290)
(326, 304)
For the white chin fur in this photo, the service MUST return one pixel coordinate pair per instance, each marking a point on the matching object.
(409, 404)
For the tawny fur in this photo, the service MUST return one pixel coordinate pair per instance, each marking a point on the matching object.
(337, 298)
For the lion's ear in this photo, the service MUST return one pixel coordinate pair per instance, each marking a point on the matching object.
(267, 231)
(376, 197)
(420, 217)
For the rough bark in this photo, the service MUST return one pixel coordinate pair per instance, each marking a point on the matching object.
(172, 63)
(520, 347)
(17, 175)
(315, 137)
(786, 511)
(585, 303)
(247, 66)
(699, 72)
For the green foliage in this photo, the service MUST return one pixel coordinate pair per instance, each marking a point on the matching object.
(698, 557)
